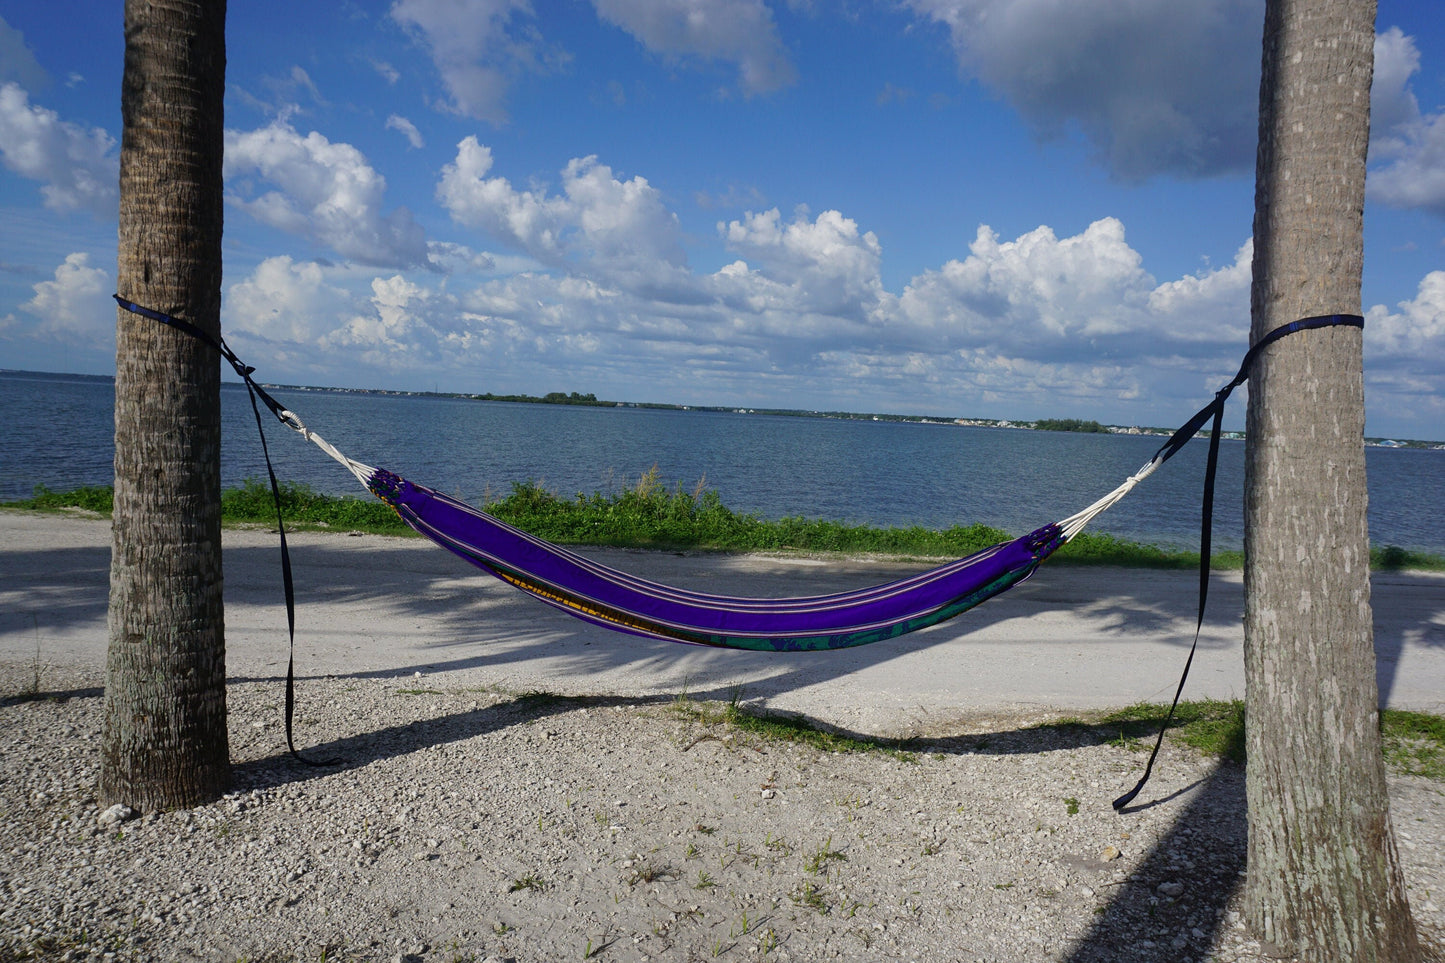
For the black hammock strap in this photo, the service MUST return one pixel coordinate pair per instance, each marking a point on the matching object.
(255, 392)
(1214, 411)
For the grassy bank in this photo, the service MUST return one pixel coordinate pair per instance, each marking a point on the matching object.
(1414, 742)
(649, 515)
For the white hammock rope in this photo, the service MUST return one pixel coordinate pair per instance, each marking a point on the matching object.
(362, 471)
(1075, 523)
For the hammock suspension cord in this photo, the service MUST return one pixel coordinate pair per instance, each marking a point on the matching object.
(658, 611)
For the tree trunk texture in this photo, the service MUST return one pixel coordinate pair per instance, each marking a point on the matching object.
(164, 741)
(1324, 877)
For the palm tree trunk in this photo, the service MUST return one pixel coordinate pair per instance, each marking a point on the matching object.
(1324, 878)
(164, 742)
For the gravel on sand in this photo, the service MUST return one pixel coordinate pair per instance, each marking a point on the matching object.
(468, 823)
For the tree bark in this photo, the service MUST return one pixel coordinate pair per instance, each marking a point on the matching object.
(164, 744)
(1324, 877)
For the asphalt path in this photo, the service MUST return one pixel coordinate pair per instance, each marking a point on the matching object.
(1070, 638)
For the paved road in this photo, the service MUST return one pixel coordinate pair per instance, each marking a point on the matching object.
(1070, 638)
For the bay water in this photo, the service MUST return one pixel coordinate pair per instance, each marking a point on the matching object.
(57, 430)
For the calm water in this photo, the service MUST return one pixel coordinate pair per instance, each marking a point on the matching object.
(56, 430)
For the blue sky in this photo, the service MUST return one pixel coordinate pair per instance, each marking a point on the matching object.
(973, 208)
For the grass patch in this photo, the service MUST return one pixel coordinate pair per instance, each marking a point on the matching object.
(91, 498)
(1214, 727)
(772, 727)
(1414, 742)
(530, 883)
(650, 515)
(1392, 558)
(779, 728)
(537, 702)
(304, 507)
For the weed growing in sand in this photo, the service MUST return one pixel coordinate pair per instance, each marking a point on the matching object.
(807, 894)
(30, 689)
(817, 861)
(1071, 805)
(744, 926)
(455, 954)
(649, 873)
(531, 882)
(779, 845)
(590, 951)
(704, 880)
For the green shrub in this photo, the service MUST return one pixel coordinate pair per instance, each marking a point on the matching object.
(303, 505)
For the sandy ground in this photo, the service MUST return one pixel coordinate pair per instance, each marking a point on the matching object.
(512, 784)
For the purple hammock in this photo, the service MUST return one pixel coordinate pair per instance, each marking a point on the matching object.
(605, 596)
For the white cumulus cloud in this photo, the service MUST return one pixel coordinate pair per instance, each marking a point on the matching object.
(76, 167)
(598, 221)
(1038, 295)
(325, 191)
(1212, 305)
(1405, 356)
(821, 266)
(1416, 331)
(75, 307)
(1407, 145)
(740, 32)
(284, 300)
(407, 325)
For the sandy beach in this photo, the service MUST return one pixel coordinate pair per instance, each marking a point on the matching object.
(512, 784)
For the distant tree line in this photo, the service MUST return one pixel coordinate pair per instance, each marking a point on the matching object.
(1070, 424)
(550, 398)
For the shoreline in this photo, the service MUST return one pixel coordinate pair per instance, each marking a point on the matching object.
(590, 400)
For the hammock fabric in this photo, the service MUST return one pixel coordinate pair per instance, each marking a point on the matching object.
(616, 600)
